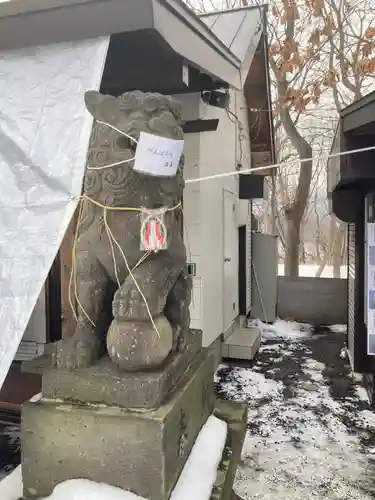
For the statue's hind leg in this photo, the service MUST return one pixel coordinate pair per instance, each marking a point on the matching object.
(85, 347)
(177, 309)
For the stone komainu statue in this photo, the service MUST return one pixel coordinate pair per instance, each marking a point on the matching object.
(110, 297)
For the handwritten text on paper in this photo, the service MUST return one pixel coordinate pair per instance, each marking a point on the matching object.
(157, 155)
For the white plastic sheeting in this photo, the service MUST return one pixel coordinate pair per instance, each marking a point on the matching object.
(44, 136)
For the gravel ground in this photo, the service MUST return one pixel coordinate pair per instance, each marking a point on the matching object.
(311, 431)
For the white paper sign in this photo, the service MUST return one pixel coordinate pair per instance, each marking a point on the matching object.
(157, 155)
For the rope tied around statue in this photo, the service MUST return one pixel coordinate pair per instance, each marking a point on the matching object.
(153, 236)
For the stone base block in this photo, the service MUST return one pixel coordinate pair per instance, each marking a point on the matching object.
(243, 343)
(105, 383)
(235, 414)
(140, 451)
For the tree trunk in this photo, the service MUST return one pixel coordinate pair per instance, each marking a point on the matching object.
(317, 248)
(344, 249)
(273, 203)
(292, 245)
(295, 211)
(337, 250)
(337, 261)
(333, 234)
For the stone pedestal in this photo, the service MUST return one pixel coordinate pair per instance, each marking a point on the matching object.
(142, 451)
(105, 383)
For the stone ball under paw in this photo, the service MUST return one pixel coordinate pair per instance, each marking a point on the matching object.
(136, 346)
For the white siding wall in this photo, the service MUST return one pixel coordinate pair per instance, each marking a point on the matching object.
(217, 155)
(243, 142)
(219, 152)
(192, 220)
(210, 153)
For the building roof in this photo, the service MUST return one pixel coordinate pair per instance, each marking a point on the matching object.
(152, 38)
(239, 29)
(26, 23)
(359, 114)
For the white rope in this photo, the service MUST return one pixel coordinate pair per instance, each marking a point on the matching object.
(235, 172)
(276, 165)
(117, 130)
(111, 165)
(130, 271)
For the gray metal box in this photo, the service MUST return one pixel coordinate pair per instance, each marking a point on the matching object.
(264, 276)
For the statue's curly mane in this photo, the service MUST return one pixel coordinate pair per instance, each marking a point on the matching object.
(120, 185)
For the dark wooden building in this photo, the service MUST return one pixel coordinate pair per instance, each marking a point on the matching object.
(351, 190)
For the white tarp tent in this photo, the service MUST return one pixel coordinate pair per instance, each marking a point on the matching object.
(44, 136)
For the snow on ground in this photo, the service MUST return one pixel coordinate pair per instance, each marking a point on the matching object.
(311, 433)
(11, 486)
(282, 330)
(309, 270)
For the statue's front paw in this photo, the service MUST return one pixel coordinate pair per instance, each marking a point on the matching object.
(76, 353)
(125, 300)
(130, 305)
